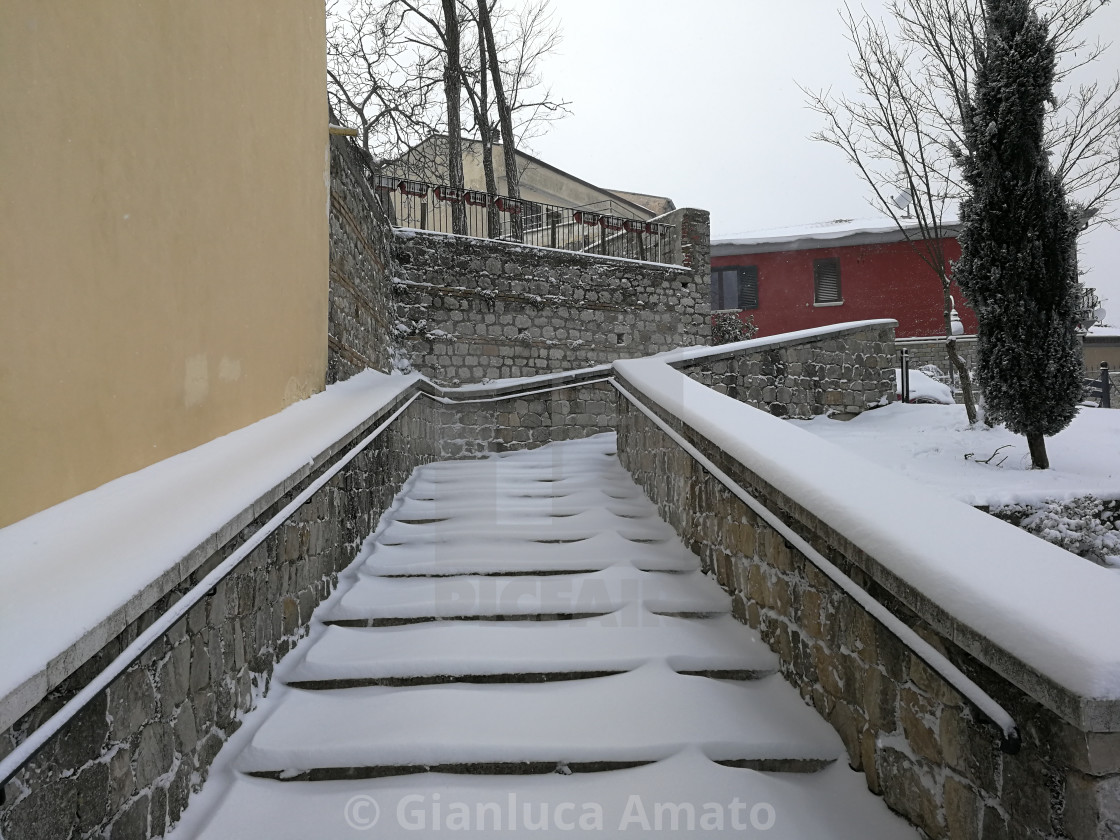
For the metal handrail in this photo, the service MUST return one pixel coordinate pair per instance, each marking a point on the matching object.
(1010, 741)
(15, 761)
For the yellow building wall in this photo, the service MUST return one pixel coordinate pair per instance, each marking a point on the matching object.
(163, 231)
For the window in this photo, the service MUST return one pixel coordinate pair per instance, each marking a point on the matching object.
(826, 281)
(735, 287)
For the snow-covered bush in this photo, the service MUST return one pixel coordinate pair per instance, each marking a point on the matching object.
(1085, 526)
(728, 327)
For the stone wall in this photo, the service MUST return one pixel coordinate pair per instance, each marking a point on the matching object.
(127, 765)
(483, 420)
(360, 324)
(461, 310)
(931, 351)
(840, 372)
(921, 745)
(476, 309)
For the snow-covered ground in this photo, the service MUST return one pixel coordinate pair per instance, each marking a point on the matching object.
(933, 445)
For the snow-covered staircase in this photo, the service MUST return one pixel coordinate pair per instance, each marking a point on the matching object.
(525, 648)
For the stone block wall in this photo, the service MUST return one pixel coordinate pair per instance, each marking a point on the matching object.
(360, 320)
(462, 310)
(920, 744)
(498, 424)
(843, 371)
(931, 351)
(125, 767)
(476, 309)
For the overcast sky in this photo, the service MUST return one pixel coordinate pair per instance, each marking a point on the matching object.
(698, 100)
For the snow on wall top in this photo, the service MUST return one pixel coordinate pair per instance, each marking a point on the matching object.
(64, 570)
(687, 354)
(1052, 610)
(835, 229)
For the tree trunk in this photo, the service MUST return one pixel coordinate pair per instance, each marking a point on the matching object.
(493, 222)
(1037, 445)
(955, 357)
(452, 86)
(505, 117)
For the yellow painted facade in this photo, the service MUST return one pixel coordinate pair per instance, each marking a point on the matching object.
(163, 231)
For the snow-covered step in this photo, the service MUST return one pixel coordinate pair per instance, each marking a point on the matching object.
(686, 795)
(634, 705)
(644, 715)
(599, 552)
(529, 527)
(718, 645)
(380, 599)
(602, 483)
(478, 508)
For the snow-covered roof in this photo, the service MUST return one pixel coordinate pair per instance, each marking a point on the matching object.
(819, 234)
(1099, 331)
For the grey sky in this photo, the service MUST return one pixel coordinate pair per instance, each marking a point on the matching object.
(697, 100)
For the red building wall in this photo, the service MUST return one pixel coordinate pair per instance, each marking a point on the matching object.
(887, 280)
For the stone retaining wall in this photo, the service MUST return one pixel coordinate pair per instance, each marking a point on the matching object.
(483, 424)
(919, 743)
(476, 309)
(931, 351)
(360, 322)
(843, 371)
(125, 767)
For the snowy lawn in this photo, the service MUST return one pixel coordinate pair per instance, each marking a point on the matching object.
(933, 445)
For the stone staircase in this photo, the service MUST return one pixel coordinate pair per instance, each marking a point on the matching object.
(525, 649)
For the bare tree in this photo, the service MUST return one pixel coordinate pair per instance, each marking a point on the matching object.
(523, 37)
(505, 117)
(524, 104)
(480, 104)
(903, 130)
(378, 79)
(390, 59)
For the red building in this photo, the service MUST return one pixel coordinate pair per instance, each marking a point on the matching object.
(846, 270)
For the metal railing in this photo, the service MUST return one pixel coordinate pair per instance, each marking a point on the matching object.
(27, 749)
(24, 752)
(984, 703)
(12, 763)
(1099, 388)
(591, 229)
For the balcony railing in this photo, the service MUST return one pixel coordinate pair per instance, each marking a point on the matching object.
(437, 207)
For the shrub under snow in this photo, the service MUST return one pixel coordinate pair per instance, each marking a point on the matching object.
(728, 327)
(1085, 526)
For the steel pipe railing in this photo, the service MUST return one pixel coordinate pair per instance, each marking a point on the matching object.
(980, 699)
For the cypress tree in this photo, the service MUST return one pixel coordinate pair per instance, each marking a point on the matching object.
(1018, 265)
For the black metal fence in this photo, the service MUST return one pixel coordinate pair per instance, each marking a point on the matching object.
(1099, 388)
(436, 207)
